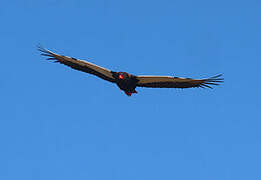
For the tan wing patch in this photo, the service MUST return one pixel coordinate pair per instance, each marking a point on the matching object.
(97, 68)
(153, 79)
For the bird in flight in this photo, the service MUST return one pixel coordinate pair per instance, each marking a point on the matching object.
(128, 82)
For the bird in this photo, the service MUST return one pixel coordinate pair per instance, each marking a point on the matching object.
(128, 82)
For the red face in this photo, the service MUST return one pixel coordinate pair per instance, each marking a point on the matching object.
(121, 76)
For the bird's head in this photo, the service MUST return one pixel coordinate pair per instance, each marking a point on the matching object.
(123, 76)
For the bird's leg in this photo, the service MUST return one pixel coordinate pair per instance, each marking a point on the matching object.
(128, 93)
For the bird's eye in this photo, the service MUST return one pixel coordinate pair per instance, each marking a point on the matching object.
(121, 76)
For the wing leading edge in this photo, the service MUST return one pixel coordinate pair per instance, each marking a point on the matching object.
(79, 64)
(176, 82)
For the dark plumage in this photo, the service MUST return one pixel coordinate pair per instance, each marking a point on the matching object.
(128, 82)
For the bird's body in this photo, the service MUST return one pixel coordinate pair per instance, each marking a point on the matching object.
(128, 82)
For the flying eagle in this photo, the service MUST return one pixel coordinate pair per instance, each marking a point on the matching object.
(128, 82)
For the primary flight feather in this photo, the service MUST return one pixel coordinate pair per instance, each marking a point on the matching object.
(128, 82)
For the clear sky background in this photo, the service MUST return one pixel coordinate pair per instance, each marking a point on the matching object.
(58, 123)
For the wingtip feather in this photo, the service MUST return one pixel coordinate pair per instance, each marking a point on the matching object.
(215, 80)
(46, 52)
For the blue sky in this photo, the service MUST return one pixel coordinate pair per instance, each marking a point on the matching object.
(58, 123)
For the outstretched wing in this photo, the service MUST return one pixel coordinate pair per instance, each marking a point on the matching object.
(175, 82)
(79, 65)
